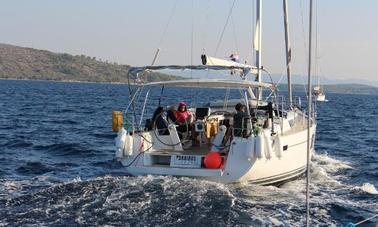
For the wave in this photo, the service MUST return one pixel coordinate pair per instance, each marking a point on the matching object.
(367, 188)
(17, 143)
(165, 200)
(33, 168)
(330, 164)
(117, 200)
(104, 135)
(65, 149)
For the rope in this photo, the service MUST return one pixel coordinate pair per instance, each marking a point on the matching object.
(224, 28)
(136, 157)
(360, 222)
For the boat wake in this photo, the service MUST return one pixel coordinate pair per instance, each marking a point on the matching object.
(165, 200)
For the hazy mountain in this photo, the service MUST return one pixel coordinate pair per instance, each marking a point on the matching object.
(297, 79)
(330, 86)
(28, 63)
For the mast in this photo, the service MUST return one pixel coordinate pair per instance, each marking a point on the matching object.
(309, 120)
(288, 52)
(257, 44)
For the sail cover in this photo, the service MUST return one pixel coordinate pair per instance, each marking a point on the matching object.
(212, 61)
(212, 83)
(245, 68)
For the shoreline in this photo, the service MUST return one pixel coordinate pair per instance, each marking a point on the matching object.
(124, 83)
(68, 81)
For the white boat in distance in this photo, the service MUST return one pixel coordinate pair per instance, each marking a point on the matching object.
(270, 146)
(319, 94)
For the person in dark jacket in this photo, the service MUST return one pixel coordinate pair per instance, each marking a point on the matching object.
(171, 114)
(159, 122)
(239, 122)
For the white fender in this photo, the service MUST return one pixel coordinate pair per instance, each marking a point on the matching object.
(259, 146)
(268, 145)
(128, 150)
(120, 141)
(278, 146)
(249, 152)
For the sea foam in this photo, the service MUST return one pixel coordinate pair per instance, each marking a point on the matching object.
(368, 188)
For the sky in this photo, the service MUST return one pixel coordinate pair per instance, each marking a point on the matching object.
(130, 31)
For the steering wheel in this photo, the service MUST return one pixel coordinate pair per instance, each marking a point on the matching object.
(184, 135)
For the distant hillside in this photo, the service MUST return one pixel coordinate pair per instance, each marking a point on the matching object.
(339, 88)
(351, 89)
(325, 79)
(28, 63)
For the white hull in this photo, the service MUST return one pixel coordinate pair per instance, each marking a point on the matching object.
(321, 97)
(244, 161)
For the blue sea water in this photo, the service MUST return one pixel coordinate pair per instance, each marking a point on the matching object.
(57, 166)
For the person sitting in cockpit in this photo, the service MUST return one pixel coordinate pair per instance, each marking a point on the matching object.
(171, 114)
(182, 114)
(239, 122)
(159, 122)
(184, 118)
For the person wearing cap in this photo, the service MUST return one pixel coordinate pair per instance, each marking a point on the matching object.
(171, 114)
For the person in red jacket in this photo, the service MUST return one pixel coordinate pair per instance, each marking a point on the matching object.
(184, 119)
(182, 114)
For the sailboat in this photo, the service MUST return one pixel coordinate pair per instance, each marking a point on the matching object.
(265, 142)
(318, 92)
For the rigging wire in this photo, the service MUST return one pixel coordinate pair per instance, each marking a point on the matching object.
(304, 43)
(318, 70)
(168, 23)
(205, 25)
(134, 109)
(224, 28)
(253, 30)
(191, 40)
(191, 93)
(204, 31)
(316, 39)
(164, 33)
(225, 103)
(235, 36)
